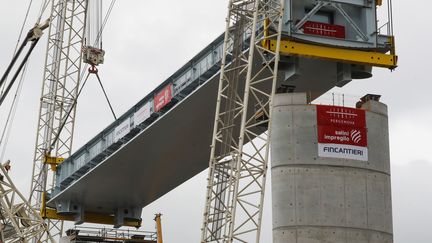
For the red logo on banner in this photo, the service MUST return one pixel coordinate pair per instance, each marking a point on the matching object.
(324, 29)
(162, 98)
(340, 116)
(341, 125)
(342, 135)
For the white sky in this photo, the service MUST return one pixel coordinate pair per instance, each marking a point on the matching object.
(146, 41)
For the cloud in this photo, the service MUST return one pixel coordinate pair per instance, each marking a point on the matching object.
(412, 194)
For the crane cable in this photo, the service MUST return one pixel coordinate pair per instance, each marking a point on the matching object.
(100, 33)
(11, 115)
(67, 115)
(43, 7)
(94, 34)
(12, 111)
(51, 147)
(99, 38)
(82, 86)
(19, 36)
(106, 96)
(91, 70)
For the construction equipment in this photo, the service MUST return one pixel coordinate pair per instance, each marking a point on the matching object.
(33, 36)
(236, 180)
(62, 74)
(323, 30)
(19, 222)
(92, 234)
(258, 35)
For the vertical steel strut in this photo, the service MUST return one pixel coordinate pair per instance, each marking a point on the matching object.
(236, 179)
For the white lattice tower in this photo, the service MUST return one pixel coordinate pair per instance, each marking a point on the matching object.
(236, 180)
(59, 92)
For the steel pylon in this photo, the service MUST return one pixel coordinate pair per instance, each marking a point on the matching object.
(19, 222)
(59, 91)
(236, 179)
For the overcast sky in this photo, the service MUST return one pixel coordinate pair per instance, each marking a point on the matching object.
(146, 41)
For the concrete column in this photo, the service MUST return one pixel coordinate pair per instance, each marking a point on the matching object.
(317, 199)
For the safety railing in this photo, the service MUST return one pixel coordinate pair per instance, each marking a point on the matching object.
(182, 83)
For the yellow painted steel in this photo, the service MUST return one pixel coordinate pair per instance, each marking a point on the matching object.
(158, 228)
(266, 42)
(53, 161)
(96, 218)
(377, 59)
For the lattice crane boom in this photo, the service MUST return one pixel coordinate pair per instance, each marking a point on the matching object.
(19, 221)
(236, 180)
(59, 91)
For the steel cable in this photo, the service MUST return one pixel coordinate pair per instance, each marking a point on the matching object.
(12, 111)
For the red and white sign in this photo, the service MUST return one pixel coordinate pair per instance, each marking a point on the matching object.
(162, 98)
(324, 29)
(340, 116)
(342, 133)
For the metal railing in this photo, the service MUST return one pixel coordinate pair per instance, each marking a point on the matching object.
(188, 78)
(80, 233)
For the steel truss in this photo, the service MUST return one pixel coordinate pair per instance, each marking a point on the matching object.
(59, 92)
(236, 180)
(18, 220)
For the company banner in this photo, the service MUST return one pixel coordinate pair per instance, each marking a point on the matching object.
(341, 151)
(342, 133)
(355, 136)
(121, 130)
(162, 98)
(340, 116)
(142, 114)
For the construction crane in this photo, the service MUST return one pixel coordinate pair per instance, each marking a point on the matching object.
(253, 48)
(61, 80)
(32, 36)
(236, 179)
(19, 222)
(74, 37)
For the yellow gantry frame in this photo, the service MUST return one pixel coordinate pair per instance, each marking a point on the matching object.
(293, 48)
(89, 217)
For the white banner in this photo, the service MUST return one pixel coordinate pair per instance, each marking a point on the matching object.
(142, 114)
(342, 151)
(121, 130)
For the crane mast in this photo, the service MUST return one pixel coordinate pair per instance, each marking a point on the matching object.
(236, 180)
(60, 84)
